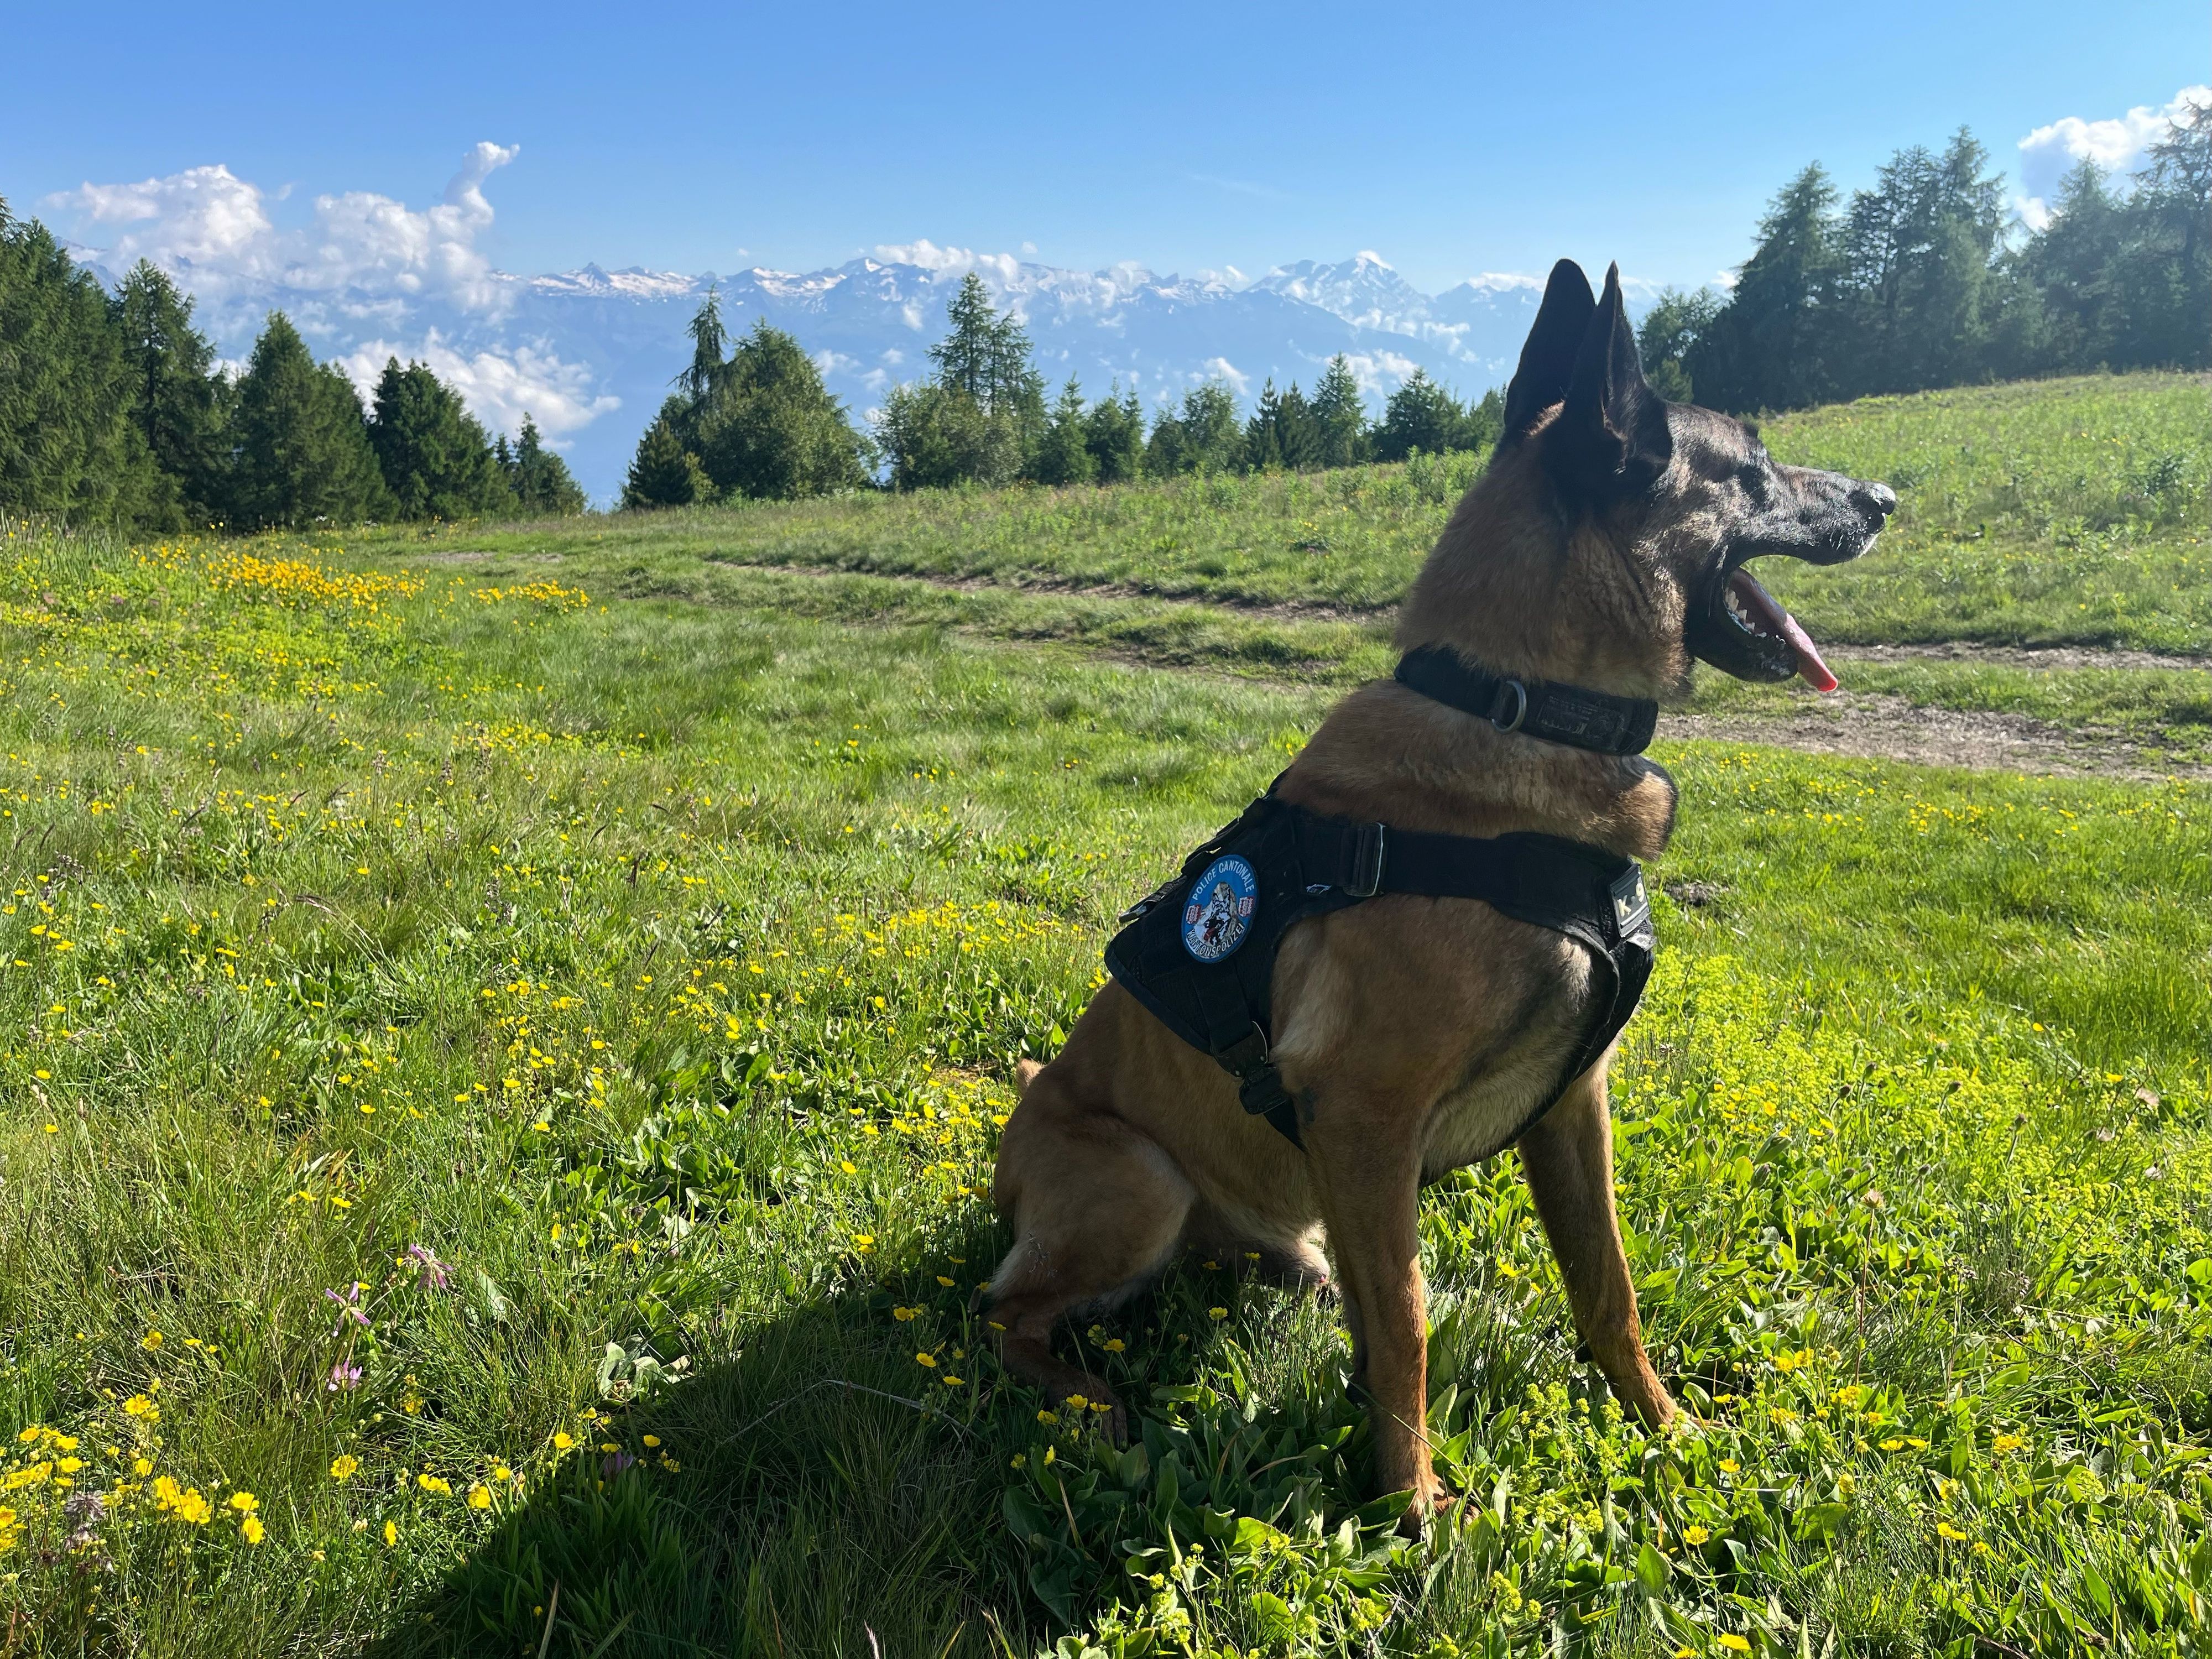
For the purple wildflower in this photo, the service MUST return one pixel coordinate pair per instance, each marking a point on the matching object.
(614, 1463)
(436, 1274)
(344, 1376)
(348, 1309)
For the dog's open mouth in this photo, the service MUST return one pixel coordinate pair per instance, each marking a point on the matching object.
(1752, 609)
(1735, 625)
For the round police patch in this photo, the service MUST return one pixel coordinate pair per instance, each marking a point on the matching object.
(1217, 912)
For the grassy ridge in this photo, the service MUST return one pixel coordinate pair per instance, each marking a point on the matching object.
(2063, 512)
(504, 994)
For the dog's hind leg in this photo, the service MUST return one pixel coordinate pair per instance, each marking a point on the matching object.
(1097, 1207)
(1568, 1158)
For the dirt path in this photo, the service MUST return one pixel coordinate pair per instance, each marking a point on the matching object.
(1878, 726)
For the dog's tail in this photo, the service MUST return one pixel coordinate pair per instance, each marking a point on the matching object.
(1025, 1072)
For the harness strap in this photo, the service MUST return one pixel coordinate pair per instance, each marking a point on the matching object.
(1308, 866)
(1572, 714)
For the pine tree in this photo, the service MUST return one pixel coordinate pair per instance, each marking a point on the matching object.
(1421, 415)
(435, 457)
(303, 454)
(709, 339)
(1064, 457)
(1297, 436)
(663, 473)
(770, 429)
(1766, 349)
(538, 479)
(1341, 416)
(2168, 268)
(982, 419)
(180, 404)
(1263, 448)
(1485, 422)
(68, 444)
(986, 356)
(1114, 433)
(1204, 437)
(1666, 335)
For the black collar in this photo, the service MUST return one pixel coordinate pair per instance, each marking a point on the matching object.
(1542, 709)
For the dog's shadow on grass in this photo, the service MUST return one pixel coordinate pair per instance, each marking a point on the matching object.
(830, 1495)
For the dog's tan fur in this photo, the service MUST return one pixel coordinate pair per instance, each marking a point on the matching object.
(1416, 1035)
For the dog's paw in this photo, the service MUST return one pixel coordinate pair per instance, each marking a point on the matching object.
(1433, 1502)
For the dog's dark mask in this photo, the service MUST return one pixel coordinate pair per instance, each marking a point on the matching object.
(1614, 438)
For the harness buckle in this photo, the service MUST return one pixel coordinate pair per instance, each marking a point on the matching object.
(1520, 706)
(1248, 1054)
(1367, 855)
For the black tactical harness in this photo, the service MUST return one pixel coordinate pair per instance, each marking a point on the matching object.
(1279, 864)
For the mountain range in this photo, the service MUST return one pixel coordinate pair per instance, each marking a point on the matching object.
(591, 353)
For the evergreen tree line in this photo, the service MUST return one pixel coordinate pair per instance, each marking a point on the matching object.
(760, 424)
(1919, 281)
(113, 411)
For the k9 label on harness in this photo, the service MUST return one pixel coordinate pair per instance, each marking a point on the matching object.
(1217, 914)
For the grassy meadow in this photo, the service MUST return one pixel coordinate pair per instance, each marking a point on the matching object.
(502, 1035)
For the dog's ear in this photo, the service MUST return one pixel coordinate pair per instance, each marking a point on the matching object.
(1547, 360)
(1613, 432)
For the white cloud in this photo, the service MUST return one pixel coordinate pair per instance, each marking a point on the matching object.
(212, 229)
(500, 386)
(2116, 145)
(1379, 373)
(1220, 368)
(944, 263)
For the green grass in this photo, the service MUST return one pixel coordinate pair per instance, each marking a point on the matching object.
(2045, 512)
(658, 966)
(2060, 511)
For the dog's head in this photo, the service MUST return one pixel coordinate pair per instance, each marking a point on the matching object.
(1609, 537)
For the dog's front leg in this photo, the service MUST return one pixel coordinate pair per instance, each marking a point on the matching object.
(1568, 1158)
(1368, 1181)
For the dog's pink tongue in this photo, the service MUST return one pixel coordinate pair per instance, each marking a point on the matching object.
(1760, 603)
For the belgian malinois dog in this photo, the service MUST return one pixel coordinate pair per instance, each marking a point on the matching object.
(1604, 547)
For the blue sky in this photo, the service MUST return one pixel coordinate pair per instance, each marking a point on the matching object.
(1452, 140)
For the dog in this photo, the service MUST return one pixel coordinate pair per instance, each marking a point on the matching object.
(1603, 547)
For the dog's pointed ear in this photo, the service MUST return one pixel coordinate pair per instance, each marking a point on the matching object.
(1614, 428)
(1547, 359)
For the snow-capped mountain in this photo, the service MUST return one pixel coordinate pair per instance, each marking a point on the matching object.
(591, 353)
(869, 324)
